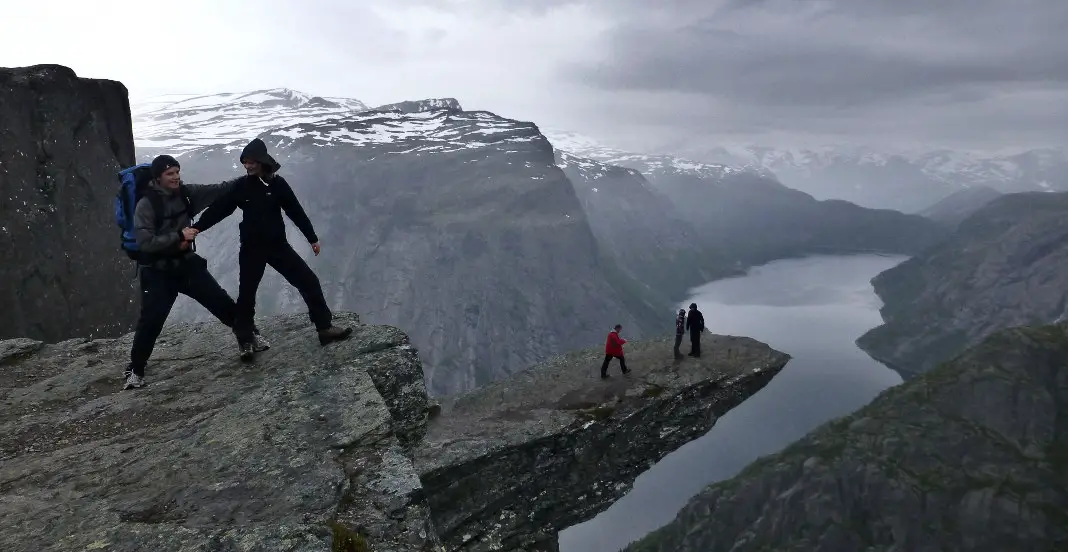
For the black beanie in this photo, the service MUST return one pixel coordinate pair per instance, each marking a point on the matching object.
(162, 163)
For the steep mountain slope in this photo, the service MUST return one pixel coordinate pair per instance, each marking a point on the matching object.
(954, 208)
(1006, 265)
(178, 123)
(970, 457)
(905, 181)
(755, 219)
(455, 224)
(62, 141)
(749, 218)
(643, 231)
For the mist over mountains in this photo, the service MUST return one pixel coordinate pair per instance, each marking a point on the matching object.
(906, 181)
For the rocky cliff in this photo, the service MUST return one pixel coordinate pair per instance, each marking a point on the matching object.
(1005, 266)
(643, 232)
(456, 224)
(337, 448)
(971, 457)
(62, 140)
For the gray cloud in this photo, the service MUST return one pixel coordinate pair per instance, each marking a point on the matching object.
(840, 66)
(634, 73)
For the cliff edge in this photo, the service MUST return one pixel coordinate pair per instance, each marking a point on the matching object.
(335, 448)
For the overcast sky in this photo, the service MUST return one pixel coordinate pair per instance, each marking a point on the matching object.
(633, 73)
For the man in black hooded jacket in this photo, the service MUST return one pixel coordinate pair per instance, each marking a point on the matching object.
(262, 195)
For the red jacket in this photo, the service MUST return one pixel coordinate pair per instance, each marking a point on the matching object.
(614, 344)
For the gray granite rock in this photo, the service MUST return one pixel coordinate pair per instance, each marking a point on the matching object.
(62, 141)
(334, 449)
(508, 465)
(304, 446)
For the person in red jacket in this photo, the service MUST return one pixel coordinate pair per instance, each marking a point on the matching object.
(613, 348)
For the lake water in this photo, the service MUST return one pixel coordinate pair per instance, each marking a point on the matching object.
(813, 309)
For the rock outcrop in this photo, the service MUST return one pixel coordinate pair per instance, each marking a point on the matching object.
(971, 457)
(62, 140)
(1005, 266)
(333, 449)
(509, 465)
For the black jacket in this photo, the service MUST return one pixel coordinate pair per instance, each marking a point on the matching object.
(262, 202)
(695, 322)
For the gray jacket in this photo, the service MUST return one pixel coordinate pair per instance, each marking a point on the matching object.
(166, 240)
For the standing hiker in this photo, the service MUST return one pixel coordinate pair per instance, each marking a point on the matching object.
(695, 323)
(613, 348)
(167, 264)
(262, 195)
(680, 329)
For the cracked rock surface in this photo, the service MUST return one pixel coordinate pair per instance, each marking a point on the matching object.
(509, 465)
(337, 448)
(290, 453)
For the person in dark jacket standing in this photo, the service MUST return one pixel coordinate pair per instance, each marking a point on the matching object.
(167, 264)
(695, 323)
(262, 196)
(680, 329)
(613, 348)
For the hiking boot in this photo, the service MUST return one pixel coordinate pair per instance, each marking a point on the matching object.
(333, 333)
(247, 351)
(133, 381)
(626, 370)
(259, 343)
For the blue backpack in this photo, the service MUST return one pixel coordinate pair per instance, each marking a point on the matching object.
(133, 185)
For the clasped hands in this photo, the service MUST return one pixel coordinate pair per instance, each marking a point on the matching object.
(188, 235)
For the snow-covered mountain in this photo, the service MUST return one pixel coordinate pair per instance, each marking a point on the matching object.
(908, 180)
(178, 123)
(582, 146)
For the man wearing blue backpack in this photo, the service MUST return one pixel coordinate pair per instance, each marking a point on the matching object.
(162, 245)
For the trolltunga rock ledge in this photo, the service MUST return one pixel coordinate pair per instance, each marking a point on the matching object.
(336, 448)
(509, 465)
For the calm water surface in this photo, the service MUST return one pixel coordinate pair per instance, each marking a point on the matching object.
(813, 309)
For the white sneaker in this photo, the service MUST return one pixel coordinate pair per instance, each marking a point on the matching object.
(259, 343)
(133, 381)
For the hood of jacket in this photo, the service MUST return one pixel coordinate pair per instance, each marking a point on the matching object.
(256, 150)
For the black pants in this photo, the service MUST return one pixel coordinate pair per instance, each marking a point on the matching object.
(160, 289)
(607, 359)
(695, 342)
(253, 260)
(678, 343)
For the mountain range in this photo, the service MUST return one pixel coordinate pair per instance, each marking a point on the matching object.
(493, 244)
(907, 181)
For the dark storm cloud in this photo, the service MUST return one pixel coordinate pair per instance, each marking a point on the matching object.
(838, 54)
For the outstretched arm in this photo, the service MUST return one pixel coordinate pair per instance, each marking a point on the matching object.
(203, 195)
(219, 210)
(293, 210)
